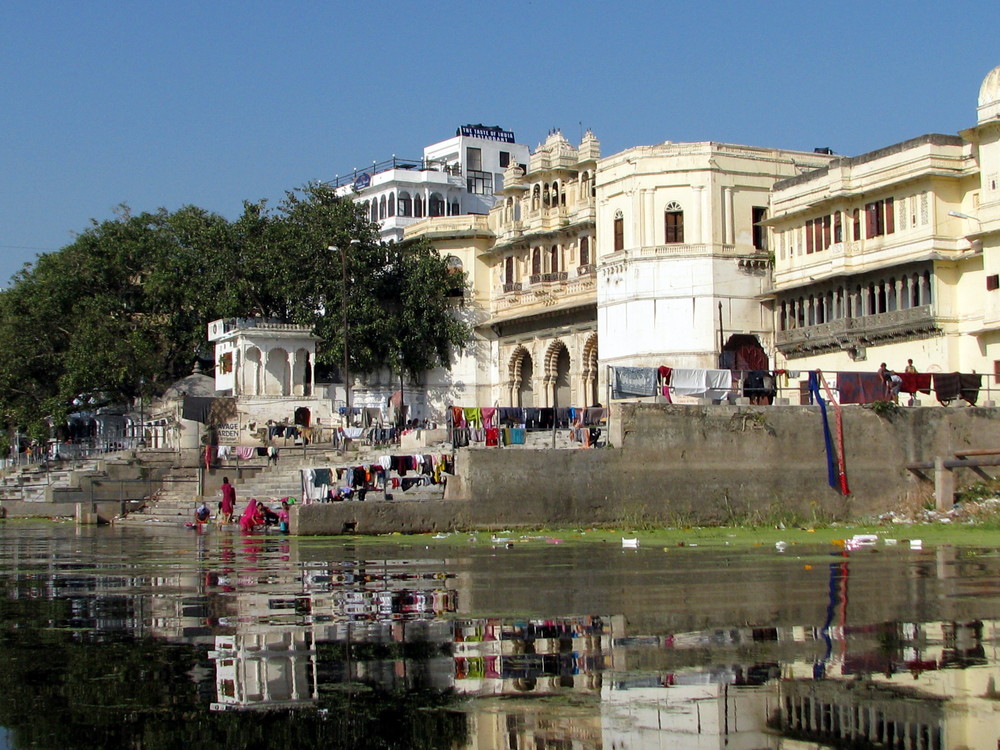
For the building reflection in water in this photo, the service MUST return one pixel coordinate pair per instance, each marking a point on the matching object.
(918, 686)
(282, 633)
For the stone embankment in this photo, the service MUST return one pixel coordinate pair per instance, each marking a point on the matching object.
(666, 465)
(692, 465)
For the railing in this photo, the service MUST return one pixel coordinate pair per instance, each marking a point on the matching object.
(515, 287)
(417, 165)
(588, 269)
(846, 330)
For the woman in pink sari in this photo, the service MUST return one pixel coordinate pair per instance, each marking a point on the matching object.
(252, 516)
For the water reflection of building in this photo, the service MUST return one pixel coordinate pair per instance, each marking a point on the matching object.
(265, 670)
(905, 685)
(531, 657)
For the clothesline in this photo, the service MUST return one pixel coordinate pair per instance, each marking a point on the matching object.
(356, 480)
(525, 417)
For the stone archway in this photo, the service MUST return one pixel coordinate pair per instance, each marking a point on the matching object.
(522, 371)
(250, 372)
(557, 374)
(277, 373)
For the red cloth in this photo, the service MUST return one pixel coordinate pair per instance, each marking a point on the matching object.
(492, 437)
(914, 382)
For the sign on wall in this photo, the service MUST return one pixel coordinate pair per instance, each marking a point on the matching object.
(228, 432)
(494, 133)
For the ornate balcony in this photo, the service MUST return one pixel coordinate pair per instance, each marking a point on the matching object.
(852, 333)
(515, 287)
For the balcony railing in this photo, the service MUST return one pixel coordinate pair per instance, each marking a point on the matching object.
(845, 333)
(515, 287)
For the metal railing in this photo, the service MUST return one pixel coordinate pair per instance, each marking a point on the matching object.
(416, 165)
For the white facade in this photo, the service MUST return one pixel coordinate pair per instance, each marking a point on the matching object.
(682, 259)
(455, 177)
(270, 368)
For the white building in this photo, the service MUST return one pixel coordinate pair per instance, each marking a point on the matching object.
(683, 260)
(270, 368)
(457, 176)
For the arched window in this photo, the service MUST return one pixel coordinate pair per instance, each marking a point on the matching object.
(435, 205)
(673, 223)
(418, 207)
(555, 194)
(405, 205)
(536, 261)
(546, 195)
(536, 195)
(381, 207)
(374, 210)
(619, 232)
(554, 259)
(585, 186)
(455, 210)
(391, 207)
(508, 270)
(584, 251)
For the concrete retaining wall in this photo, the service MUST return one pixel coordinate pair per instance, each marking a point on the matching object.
(692, 465)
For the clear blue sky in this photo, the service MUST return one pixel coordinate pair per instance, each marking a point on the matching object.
(212, 103)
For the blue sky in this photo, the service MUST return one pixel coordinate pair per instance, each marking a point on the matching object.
(213, 103)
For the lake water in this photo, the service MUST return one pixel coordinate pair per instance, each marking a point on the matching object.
(166, 638)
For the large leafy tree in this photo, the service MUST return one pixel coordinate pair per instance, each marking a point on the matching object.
(127, 302)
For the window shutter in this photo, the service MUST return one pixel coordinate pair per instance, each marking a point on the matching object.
(870, 220)
(890, 216)
(809, 236)
(826, 232)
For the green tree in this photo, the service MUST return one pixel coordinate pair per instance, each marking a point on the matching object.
(128, 301)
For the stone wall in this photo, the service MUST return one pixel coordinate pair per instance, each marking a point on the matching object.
(691, 465)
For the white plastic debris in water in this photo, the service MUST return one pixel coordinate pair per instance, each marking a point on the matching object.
(861, 540)
(916, 544)
(781, 546)
(630, 543)
(889, 542)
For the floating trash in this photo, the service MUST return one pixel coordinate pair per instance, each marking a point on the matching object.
(630, 543)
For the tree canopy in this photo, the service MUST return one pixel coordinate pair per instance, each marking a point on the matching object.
(127, 302)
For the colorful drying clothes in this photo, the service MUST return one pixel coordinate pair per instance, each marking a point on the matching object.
(817, 398)
(488, 413)
(511, 415)
(969, 385)
(861, 388)
(947, 386)
(633, 382)
(713, 384)
(915, 382)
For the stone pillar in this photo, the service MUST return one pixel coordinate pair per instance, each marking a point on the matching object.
(648, 223)
(706, 216)
(944, 485)
(694, 234)
(730, 219)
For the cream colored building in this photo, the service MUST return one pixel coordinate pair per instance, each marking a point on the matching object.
(682, 257)
(532, 272)
(543, 277)
(894, 255)
(872, 264)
